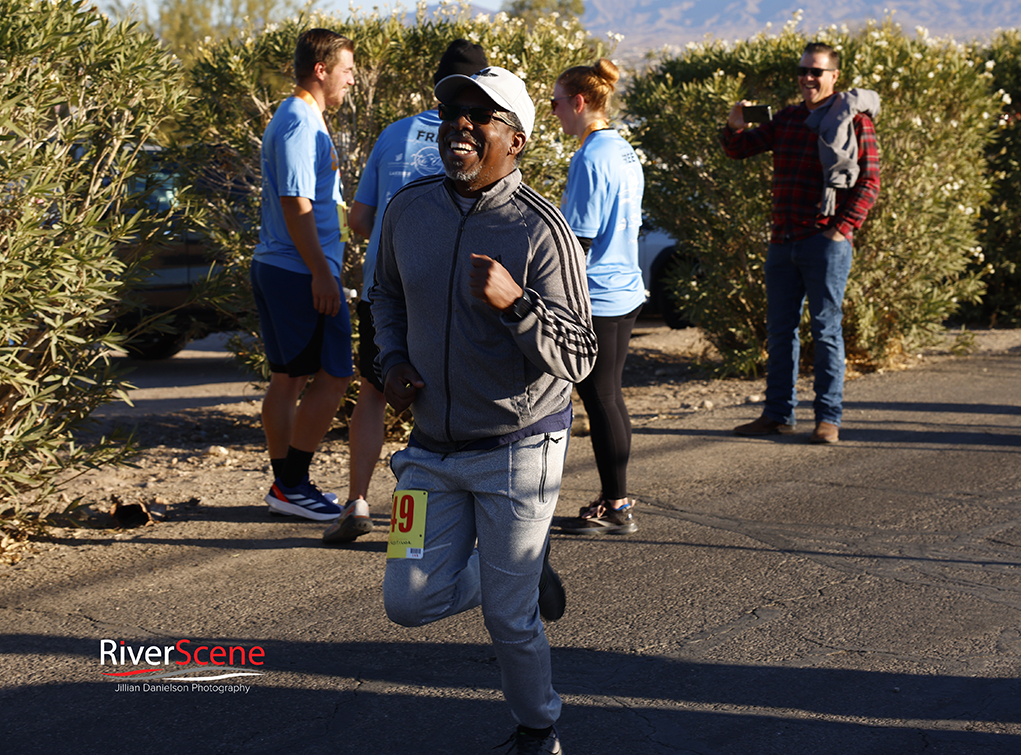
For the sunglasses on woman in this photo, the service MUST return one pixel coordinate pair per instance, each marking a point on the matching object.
(553, 101)
(817, 72)
(480, 116)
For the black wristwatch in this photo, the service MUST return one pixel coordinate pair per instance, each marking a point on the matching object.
(521, 306)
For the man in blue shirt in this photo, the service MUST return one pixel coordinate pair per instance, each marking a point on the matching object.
(296, 272)
(406, 150)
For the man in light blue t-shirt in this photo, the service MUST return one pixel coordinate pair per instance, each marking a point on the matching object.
(406, 150)
(296, 271)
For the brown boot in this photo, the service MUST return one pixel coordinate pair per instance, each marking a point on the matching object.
(825, 432)
(764, 426)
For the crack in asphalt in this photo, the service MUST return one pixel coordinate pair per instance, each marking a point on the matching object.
(915, 564)
(90, 619)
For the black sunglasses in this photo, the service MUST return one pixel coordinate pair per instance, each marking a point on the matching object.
(480, 116)
(553, 101)
(817, 72)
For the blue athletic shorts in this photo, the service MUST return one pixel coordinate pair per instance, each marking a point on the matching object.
(298, 340)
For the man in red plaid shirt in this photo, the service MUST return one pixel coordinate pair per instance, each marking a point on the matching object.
(820, 198)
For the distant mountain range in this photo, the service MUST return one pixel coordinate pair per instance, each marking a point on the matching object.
(651, 24)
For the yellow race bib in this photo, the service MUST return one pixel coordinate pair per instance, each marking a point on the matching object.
(407, 524)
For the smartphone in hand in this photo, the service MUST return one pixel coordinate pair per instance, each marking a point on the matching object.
(757, 113)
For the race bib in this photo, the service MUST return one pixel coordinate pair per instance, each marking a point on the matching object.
(407, 524)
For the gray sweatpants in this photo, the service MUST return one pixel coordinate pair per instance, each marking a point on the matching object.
(503, 500)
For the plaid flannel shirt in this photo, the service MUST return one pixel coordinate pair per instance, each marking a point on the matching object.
(798, 174)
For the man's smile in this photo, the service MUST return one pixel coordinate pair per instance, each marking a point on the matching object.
(462, 144)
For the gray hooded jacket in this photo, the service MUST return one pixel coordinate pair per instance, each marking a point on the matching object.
(838, 145)
(485, 374)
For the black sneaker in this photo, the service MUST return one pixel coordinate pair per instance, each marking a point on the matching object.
(599, 518)
(525, 744)
(552, 598)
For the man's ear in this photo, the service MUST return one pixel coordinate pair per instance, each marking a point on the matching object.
(517, 144)
(319, 69)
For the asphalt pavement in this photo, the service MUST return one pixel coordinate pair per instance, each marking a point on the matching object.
(778, 597)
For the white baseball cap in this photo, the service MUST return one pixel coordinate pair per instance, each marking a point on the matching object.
(498, 84)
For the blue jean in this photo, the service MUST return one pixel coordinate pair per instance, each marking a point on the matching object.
(503, 499)
(816, 267)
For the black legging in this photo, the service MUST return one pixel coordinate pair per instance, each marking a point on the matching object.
(604, 402)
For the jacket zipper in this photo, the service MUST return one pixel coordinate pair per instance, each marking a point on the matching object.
(449, 324)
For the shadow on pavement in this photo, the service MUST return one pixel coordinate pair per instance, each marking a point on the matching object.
(426, 698)
(859, 431)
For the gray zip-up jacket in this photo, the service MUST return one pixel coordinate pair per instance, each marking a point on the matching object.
(485, 374)
(838, 144)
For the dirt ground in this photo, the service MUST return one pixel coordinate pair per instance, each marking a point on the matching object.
(196, 452)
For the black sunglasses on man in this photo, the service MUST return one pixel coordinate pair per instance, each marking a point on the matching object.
(480, 116)
(817, 72)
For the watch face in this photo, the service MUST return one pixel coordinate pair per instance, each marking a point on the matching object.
(522, 306)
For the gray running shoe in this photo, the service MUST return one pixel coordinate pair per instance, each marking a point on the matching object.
(353, 523)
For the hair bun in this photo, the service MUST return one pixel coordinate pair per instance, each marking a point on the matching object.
(606, 70)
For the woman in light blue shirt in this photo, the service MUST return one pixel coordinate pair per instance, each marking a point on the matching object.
(603, 205)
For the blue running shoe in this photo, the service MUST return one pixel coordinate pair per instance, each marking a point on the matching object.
(304, 500)
(331, 497)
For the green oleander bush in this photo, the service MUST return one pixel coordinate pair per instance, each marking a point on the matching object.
(79, 98)
(913, 257)
(1000, 257)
